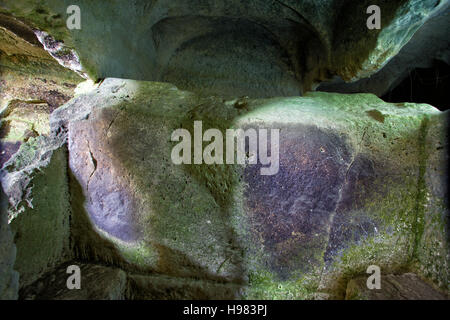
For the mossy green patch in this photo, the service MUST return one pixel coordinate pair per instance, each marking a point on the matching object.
(264, 285)
(42, 226)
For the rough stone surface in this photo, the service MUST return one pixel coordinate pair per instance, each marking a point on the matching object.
(360, 181)
(429, 43)
(97, 283)
(260, 48)
(407, 286)
(9, 279)
(32, 85)
(348, 194)
(23, 120)
(100, 282)
(170, 288)
(29, 72)
(433, 245)
(153, 209)
(35, 182)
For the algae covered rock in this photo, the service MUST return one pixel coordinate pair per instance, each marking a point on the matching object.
(433, 244)
(32, 85)
(345, 191)
(23, 120)
(159, 193)
(35, 183)
(259, 48)
(9, 279)
(159, 216)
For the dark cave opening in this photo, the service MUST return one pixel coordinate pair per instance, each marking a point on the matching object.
(424, 85)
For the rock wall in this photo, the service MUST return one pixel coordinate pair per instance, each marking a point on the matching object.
(32, 85)
(35, 181)
(433, 243)
(359, 182)
(235, 48)
(429, 43)
(9, 278)
(394, 287)
(350, 190)
(34, 174)
(88, 170)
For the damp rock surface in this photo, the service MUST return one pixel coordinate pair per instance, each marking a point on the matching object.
(428, 44)
(260, 48)
(97, 283)
(345, 180)
(32, 85)
(406, 286)
(35, 184)
(9, 278)
(350, 190)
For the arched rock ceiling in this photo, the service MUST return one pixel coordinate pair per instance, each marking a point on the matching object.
(431, 42)
(256, 48)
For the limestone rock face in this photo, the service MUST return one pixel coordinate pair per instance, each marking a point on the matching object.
(109, 283)
(433, 244)
(24, 120)
(92, 173)
(407, 286)
(350, 190)
(35, 183)
(259, 48)
(9, 279)
(169, 288)
(32, 85)
(428, 44)
(35, 220)
(97, 283)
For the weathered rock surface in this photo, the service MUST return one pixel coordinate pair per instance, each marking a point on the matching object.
(407, 286)
(349, 191)
(23, 120)
(260, 48)
(433, 244)
(29, 73)
(109, 283)
(428, 44)
(170, 288)
(97, 283)
(357, 181)
(32, 85)
(160, 230)
(9, 279)
(35, 182)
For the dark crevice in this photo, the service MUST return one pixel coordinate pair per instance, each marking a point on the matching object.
(424, 85)
(421, 198)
